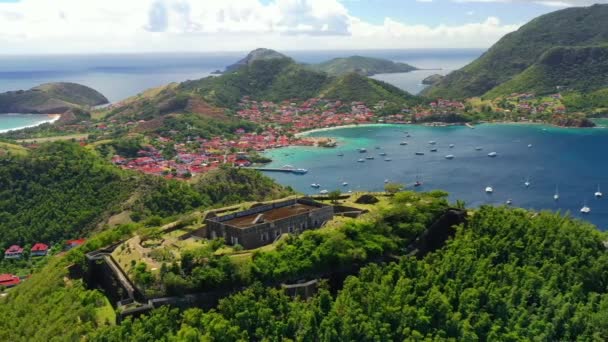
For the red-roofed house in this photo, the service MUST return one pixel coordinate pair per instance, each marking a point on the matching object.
(13, 252)
(74, 243)
(9, 280)
(39, 249)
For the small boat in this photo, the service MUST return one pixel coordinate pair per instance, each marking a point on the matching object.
(361, 161)
(527, 182)
(492, 154)
(300, 171)
(418, 183)
(556, 195)
(385, 181)
(350, 191)
(598, 193)
(433, 150)
(478, 148)
(408, 136)
(419, 153)
(509, 202)
(387, 159)
(403, 143)
(489, 190)
(369, 157)
(340, 154)
(529, 145)
(344, 184)
(324, 192)
(449, 156)
(451, 145)
(377, 147)
(383, 153)
(315, 185)
(585, 209)
(432, 142)
(362, 150)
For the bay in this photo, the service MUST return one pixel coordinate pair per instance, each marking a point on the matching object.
(571, 159)
(10, 122)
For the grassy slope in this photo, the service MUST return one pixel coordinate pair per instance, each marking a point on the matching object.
(363, 65)
(578, 69)
(519, 50)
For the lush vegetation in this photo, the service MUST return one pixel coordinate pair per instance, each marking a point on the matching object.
(50, 98)
(507, 275)
(59, 191)
(578, 69)
(514, 53)
(365, 66)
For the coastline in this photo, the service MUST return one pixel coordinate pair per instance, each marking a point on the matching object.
(51, 119)
(326, 129)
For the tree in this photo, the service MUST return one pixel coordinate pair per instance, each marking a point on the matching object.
(334, 196)
(393, 188)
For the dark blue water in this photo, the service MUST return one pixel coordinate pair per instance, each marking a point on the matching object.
(121, 76)
(572, 159)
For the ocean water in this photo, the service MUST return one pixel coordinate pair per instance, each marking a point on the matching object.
(10, 122)
(568, 159)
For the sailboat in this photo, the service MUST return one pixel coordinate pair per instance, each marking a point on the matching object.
(585, 209)
(556, 196)
(598, 193)
(489, 190)
(527, 182)
(418, 181)
(509, 201)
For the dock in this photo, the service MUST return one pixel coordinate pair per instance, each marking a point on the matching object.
(266, 169)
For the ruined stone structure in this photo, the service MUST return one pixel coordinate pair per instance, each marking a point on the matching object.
(261, 225)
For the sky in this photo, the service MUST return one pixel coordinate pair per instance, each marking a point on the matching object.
(128, 26)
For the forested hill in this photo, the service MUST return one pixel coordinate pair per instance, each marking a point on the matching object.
(256, 55)
(514, 53)
(283, 79)
(569, 68)
(508, 275)
(365, 66)
(50, 98)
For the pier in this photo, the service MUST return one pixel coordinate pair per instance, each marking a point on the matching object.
(267, 169)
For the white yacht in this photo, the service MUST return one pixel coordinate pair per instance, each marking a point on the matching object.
(361, 160)
(556, 195)
(585, 209)
(451, 145)
(324, 192)
(387, 159)
(529, 145)
(315, 185)
(432, 142)
(489, 190)
(527, 182)
(492, 154)
(598, 193)
(403, 143)
(509, 202)
(449, 156)
(478, 148)
(385, 181)
(344, 184)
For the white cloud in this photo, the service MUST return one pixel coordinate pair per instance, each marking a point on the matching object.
(65, 26)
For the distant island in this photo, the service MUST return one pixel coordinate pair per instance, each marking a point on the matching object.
(50, 98)
(365, 66)
(433, 79)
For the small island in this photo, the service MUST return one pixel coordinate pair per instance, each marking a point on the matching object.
(365, 66)
(50, 98)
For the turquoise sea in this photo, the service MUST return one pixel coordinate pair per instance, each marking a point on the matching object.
(571, 160)
(15, 121)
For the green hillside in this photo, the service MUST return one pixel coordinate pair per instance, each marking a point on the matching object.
(282, 79)
(515, 52)
(581, 69)
(506, 276)
(365, 66)
(50, 98)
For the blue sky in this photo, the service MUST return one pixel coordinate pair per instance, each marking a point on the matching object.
(73, 26)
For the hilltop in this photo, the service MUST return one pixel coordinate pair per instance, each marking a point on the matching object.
(50, 98)
(256, 55)
(517, 51)
(365, 66)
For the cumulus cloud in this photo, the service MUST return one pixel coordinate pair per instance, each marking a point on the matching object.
(185, 25)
